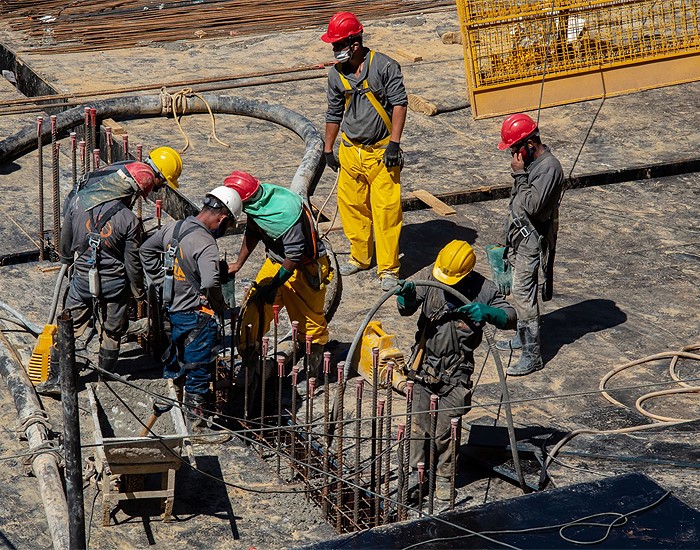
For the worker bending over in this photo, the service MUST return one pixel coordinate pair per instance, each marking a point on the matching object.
(296, 270)
(531, 233)
(367, 101)
(442, 360)
(183, 259)
(100, 239)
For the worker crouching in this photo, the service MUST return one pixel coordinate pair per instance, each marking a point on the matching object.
(442, 361)
(296, 270)
(183, 259)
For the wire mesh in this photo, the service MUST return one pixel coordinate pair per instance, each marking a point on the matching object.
(510, 42)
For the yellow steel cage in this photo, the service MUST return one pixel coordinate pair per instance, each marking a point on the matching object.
(580, 49)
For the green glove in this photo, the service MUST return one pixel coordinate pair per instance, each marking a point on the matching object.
(406, 294)
(266, 293)
(481, 313)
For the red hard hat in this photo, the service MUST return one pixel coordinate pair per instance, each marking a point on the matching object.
(242, 182)
(516, 128)
(341, 26)
(144, 175)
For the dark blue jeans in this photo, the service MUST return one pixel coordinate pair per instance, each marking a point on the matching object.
(192, 350)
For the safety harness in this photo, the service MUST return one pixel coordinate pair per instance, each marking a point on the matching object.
(363, 89)
(94, 244)
(169, 260)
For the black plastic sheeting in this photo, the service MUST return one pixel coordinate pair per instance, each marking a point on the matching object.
(669, 524)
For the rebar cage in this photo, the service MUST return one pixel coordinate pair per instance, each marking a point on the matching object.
(583, 49)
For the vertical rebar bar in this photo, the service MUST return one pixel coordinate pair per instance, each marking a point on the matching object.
(421, 480)
(339, 447)
(359, 385)
(139, 152)
(309, 434)
(326, 436)
(40, 149)
(373, 424)
(82, 146)
(387, 429)
(307, 356)
(293, 431)
(380, 449)
(280, 376)
(159, 215)
(433, 452)
(402, 480)
(96, 158)
(55, 189)
(108, 144)
(407, 446)
(74, 159)
(88, 139)
(93, 130)
(263, 360)
(246, 368)
(454, 441)
(295, 335)
(125, 146)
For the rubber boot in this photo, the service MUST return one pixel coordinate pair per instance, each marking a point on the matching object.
(530, 358)
(508, 345)
(107, 360)
(195, 407)
(52, 385)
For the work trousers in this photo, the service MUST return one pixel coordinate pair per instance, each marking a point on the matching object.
(369, 201)
(112, 321)
(455, 398)
(303, 302)
(192, 352)
(525, 262)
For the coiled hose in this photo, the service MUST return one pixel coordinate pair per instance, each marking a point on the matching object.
(488, 333)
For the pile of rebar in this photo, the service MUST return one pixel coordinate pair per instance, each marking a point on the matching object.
(61, 26)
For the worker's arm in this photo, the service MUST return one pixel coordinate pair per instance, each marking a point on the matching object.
(398, 120)
(132, 262)
(67, 235)
(250, 241)
(332, 130)
(151, 256)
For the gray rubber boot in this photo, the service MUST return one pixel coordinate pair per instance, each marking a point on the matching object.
(530, 357)
(508, 345)
(52, 385)
(107, 360)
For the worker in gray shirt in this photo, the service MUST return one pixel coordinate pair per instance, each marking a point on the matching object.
(367, 102)
(183, 259)
(531, 233)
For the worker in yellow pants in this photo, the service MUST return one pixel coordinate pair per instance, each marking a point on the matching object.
(369, 199)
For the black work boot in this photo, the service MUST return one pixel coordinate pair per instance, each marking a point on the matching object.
(107, 360)
(52, 385)
(507, 345)
(195, 409)
(530, 358)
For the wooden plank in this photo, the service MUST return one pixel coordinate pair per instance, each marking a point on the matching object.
(434, 203)
(117, 129)
(408, 55)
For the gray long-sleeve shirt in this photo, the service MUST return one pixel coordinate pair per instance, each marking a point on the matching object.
(118, 260)
(360, 121)
(451, 337)
(198, 256)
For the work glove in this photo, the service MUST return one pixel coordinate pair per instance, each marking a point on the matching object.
(482, 313)
(392, 155)
(406, 294)
(266, 293)
(332, 161)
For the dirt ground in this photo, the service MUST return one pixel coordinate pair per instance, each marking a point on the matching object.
(626, 276)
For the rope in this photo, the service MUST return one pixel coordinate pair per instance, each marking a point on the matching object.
(177, 104)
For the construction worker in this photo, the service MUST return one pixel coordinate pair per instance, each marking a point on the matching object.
(531, 233)
(367, 101)
(296, 270)
(443, 355)
(100, 238)
(183, 259)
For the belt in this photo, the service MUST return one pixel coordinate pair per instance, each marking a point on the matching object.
(379, 145)
(205, 309)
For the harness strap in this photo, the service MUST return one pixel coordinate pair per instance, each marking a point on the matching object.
(175, 242)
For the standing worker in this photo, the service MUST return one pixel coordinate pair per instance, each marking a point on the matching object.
(442, 360)
(100, 238)
(183, 258)
(296, 270)
(367, 101)
(531, 233)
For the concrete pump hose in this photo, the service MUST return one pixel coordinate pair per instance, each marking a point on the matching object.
(488, 333)
(56, 294)
(26, 323)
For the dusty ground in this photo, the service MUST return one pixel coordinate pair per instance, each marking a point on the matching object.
(626, 273)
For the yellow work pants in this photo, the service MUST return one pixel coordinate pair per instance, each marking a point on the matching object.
(369, 197)
(302, 302)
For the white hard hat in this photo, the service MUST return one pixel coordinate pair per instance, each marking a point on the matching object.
(230, 199)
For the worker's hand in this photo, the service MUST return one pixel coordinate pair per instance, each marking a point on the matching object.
(264, 294)
(332, 160)
(482, 313)
(517, 163)
(393, 155)
(233, 268)
(407, 288)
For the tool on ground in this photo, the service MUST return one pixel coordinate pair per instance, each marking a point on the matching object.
(159, 407)
(38, 368)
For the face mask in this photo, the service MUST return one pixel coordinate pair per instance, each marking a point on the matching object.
(221, 230)
(343, 55)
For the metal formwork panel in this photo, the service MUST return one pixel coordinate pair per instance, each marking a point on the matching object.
(582, 49)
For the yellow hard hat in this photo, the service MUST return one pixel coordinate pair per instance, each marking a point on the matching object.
(454, 262)
(169, 164)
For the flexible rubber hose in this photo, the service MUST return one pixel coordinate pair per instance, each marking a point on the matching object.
(56, 294)
(26, 323)
(488, 333)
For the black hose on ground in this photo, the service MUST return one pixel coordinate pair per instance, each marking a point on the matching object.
(488, 333)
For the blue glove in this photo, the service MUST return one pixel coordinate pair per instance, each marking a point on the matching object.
(406, 294)
(482, 313)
